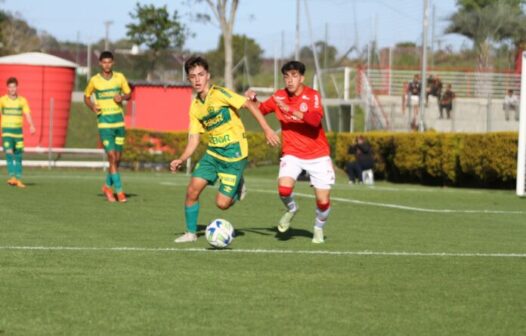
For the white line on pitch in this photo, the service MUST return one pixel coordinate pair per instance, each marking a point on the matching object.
(264, 251)
(404, 207)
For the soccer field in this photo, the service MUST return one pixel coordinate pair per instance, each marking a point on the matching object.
(398, 260)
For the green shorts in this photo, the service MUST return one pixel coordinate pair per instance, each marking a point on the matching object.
(13, 143)
(112, 138)
(228, 173)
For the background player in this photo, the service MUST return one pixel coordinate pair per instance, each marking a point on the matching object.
(214, 111)
(14, 108)
(111, 89)
(298, 108)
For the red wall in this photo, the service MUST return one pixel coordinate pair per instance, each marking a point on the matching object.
(38, 84)
(159, 108)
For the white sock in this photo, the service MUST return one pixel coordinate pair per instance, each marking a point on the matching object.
(321, 217)
(289, 203)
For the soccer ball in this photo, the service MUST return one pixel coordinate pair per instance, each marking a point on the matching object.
(219, 233)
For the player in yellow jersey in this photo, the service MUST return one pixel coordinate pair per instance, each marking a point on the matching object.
(109, 89)
(13, 109)
(214, 111)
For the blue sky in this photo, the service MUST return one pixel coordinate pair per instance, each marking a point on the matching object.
(266, 21)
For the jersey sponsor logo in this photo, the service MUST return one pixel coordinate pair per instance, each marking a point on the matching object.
(216, 119)
(219, 140)
(107, 94)
(227, 179)
(14, 111)
(304, 107)
(279, 98)
(305, 97)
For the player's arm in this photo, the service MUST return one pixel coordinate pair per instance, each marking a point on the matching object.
(191, 146)
(87, 98)
(272, 137)
(27, 114)
(125, 93)
(29, 119)
(313, 116)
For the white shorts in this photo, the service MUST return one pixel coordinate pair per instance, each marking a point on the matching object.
(320, 170)
(415, 100)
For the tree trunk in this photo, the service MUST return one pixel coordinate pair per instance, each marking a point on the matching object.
(229, 78)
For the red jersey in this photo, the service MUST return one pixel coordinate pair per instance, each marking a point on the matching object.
(305, 138)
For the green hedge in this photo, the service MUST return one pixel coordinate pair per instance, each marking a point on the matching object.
(488, 159)
(460, 159)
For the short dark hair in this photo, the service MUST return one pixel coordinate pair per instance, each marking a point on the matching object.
(105, 54)
(12, 80)
(193, 62)
(293, 65)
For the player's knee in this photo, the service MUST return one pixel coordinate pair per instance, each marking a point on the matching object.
(224, 204)
(284, 191)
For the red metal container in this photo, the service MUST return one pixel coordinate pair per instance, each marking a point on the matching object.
(46, 82)
(159, 106)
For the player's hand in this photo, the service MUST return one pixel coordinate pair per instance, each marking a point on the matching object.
(117, 98)
(251, 94)
(32, 129)
(175, 164)
(272, 138)
(96, 109)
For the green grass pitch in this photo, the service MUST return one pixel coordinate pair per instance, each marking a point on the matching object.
(398, 260)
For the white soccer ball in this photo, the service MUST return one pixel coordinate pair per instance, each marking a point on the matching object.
(219, 233)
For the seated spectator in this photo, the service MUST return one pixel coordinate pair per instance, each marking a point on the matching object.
(446, 102)
(363, 153)
(511, 103)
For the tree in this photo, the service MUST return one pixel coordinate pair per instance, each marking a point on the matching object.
(485, 22)
(325, 53)
(242, 46)
(225, 13)
(154, 28)
(17, 35)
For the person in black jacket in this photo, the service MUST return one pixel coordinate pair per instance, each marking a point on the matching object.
(364, 159)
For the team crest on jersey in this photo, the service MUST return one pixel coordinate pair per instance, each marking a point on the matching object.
(304, 107)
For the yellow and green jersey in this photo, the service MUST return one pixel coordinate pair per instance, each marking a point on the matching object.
(13, 111)
(112, 115)
(217, 116)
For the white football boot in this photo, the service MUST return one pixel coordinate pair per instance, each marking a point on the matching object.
(317, 237)
(187, 237)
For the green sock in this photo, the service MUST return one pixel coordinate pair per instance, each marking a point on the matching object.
(190, 214)
(116, 178)
(18, 165)
(9, 157)
(109, 181)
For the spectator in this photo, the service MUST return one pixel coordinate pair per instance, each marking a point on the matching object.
(446, 102)
(511, 103)
(434, 88)
(414, 97)
(363, 153)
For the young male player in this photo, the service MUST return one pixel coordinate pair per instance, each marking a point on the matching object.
(110, 89)
(305, 147)
(14, 108)
(214, 111)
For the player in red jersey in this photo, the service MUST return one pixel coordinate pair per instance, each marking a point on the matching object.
(305, 147)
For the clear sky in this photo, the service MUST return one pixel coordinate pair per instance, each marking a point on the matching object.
(266, 21)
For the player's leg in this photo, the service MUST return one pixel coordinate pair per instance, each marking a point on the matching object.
(322, 178)
(204, 174)
(18, 153)
(116, 177)
(8, 144)
(232, 185)
(108, 142)
(289, 170)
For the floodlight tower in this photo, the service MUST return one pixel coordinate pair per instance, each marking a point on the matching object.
(107, 25)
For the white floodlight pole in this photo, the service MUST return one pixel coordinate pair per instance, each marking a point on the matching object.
(424, 65)
(521, 152)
